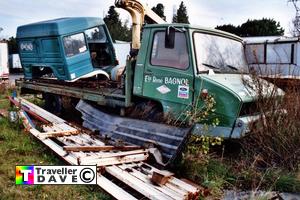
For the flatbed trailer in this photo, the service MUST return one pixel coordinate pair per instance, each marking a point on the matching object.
(110, 93)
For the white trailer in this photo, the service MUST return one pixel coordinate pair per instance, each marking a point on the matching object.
(274, 57)
(14, 63)
(4, 71)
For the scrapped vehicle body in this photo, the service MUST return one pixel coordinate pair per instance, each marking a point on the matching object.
(275, 58)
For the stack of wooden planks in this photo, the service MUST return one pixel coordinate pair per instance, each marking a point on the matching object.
(125, 163)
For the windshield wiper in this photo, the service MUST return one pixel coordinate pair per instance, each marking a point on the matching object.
(232, 67)
(210, 66)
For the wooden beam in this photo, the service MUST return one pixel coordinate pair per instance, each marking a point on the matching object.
(130, 168)
(116, 160)
(27, 123)
(100, 148)
(137, 184)
(100, 155)
(41, 112)
(159, 178)
(60, 133)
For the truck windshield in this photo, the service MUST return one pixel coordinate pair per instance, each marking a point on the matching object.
(220, 54)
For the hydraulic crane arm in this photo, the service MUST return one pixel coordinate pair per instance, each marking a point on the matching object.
(138, 11)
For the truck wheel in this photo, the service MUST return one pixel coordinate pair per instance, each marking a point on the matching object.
(53, 103)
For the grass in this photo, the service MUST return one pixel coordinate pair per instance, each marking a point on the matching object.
(19, 148)
(216, 174)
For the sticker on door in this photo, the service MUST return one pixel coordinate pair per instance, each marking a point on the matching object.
(183, 92)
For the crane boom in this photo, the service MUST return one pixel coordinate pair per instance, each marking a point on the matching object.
(138, 11)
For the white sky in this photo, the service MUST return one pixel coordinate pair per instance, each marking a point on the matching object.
(14, 13)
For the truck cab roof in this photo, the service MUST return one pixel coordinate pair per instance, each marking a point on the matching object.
(57, 27)
(197, 28)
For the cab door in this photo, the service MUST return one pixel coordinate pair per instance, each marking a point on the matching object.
(168, 75)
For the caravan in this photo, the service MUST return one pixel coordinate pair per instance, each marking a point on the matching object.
(274, 57)
(4, 72)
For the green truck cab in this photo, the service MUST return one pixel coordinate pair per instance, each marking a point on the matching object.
(201, 61)
(66, 48)
(171, 72)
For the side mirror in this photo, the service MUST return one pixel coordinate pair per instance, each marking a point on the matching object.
(170, 37)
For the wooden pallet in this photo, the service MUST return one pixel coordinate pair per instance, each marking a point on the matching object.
(126, 164)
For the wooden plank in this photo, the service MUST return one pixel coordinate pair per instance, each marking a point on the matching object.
(65, 141)
(73, 141)
(59, 133)
(112, 154)
(100, 148)
(184, 185)
(113, 189)
(160, 178)
(116, 160)
(26, 123)
(143, 177)
(145, 189)
(97, 141)
(41, 112)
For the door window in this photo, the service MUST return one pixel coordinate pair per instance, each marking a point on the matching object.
(176, 58)
(74, 44)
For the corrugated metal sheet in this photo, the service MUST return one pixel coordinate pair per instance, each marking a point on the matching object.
(168, 139)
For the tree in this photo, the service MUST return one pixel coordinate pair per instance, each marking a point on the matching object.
(12, 45)
(229, 28)
(296, 21)
(159, 9)
(262, 27)
(117, 29)
(181, 16)
(256, 27)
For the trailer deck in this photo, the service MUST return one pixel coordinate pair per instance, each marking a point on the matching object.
(103, 93)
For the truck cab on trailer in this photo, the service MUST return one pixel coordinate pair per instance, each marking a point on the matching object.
(66, 48)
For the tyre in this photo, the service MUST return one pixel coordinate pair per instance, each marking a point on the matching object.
(53, 103)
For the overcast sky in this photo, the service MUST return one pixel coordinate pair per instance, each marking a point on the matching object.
(209, 13)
